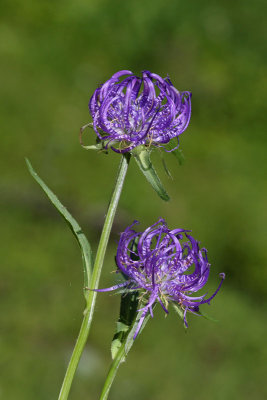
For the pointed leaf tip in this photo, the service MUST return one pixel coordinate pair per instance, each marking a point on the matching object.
(174, 149)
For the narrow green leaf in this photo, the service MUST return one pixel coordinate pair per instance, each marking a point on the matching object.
(166, 169)
(179, 311)
(73, 224)
(98, 146)
(177, 153)
(142, 157)
(206, 316)
(128, 310)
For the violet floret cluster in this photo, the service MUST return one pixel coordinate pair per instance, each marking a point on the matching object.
(129, 111)
(166, 266)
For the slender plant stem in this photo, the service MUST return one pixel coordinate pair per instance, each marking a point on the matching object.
(113, 371)
(121, 355)
(91, 298)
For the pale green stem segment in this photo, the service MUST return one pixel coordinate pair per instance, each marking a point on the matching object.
(121, 355)
(90, 304)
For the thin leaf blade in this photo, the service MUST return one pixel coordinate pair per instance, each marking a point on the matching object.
(73, 224)
(128, 312)
(142, 158)
(176, 152)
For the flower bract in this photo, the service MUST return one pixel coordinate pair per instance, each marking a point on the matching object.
(129, 111)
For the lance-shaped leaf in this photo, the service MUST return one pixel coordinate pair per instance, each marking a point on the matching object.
(74, 226)
(180, 312)
(206, 316)
(128, 313)
(176, 152)
(142, 157)
(166, 169)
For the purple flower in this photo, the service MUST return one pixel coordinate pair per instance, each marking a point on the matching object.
(132, 111)
(166, 265)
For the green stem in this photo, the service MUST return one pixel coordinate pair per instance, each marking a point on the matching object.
(90, 304)
(121, 355)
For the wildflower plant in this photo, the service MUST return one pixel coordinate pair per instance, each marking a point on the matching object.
(133, 116)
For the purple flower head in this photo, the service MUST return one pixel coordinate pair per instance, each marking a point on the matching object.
(167, 265)
(129, 111)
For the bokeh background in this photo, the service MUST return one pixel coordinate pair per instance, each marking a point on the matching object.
(53, 55)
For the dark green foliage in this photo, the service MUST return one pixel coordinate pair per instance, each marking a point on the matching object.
(128, 308)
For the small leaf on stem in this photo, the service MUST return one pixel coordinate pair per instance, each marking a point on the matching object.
(128, 312)
(142, 157)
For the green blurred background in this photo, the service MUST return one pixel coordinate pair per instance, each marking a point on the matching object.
(53, 55)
